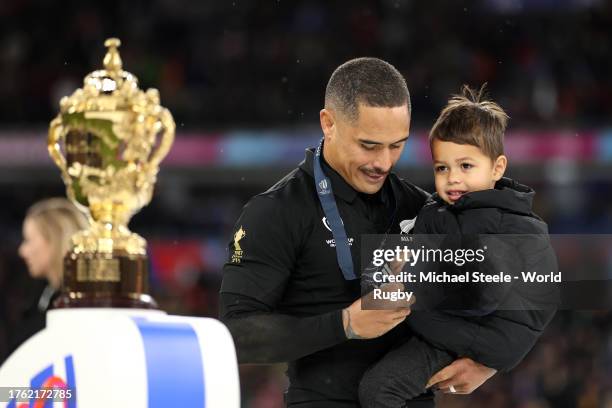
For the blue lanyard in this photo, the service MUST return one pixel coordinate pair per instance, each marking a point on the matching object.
(328, 202)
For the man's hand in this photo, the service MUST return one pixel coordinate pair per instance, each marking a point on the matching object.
(369, 324)
(462, 376)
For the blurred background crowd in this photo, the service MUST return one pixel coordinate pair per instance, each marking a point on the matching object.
(245, 81)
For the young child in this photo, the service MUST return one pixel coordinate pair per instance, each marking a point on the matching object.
(472, 197)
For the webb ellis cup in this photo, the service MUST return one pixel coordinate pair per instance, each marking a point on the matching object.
(108, 141)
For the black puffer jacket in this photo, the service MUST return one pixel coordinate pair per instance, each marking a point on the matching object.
(504, 320)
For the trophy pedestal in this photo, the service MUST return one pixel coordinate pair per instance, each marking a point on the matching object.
(127, 358)
(105, 280)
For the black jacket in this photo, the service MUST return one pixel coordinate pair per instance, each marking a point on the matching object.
(504, 320)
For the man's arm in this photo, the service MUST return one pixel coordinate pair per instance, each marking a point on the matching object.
(265, 337)
(262, 256)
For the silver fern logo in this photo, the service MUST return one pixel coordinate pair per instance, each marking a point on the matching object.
(407, 225)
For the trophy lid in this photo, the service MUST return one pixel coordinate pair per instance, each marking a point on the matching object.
(112, 59)
(113, 76)
(109, 89)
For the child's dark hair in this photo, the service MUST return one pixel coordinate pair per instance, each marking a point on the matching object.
(472, 119)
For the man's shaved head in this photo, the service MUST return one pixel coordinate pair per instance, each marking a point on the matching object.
(368, 81)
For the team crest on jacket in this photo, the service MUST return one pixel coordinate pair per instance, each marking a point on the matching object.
(407, 225)
(237, 256)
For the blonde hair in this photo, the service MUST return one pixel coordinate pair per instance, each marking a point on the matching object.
(57, 220)
(470, 118)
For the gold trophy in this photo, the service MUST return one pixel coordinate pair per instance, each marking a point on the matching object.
(108, 141)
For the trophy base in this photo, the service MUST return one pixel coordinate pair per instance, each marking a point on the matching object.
(75, 299)
(117, 280)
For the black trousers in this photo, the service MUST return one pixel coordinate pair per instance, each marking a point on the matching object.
(398, 380)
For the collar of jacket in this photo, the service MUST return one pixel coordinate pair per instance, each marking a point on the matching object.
(508, 195)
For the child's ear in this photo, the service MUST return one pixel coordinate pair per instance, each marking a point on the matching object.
(499, 167)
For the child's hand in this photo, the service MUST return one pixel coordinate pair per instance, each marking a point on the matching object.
(396, 266)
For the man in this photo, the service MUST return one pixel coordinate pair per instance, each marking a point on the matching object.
(290, 290)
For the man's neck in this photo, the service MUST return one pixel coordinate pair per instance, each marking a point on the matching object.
(329, 160)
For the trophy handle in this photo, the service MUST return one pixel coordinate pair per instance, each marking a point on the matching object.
(56, 135)
(167, 138)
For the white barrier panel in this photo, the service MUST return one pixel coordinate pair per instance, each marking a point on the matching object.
(126, 358)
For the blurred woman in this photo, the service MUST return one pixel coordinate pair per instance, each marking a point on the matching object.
(47, 230)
